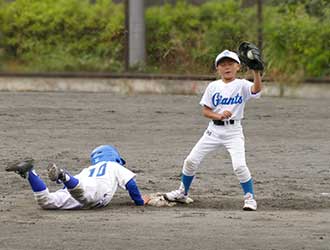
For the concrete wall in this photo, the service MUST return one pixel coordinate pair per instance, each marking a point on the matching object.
(128, 86)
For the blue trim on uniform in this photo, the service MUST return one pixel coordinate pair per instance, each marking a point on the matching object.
(37, 184)
(248, 187)
(186, 180)
(72, 182)
(134, 192)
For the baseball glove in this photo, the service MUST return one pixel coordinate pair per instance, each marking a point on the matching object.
(250, 55)
(158, 200)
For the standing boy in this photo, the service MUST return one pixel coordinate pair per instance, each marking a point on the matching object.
(223, 103)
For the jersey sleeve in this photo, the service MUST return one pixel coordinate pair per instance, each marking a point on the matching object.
(207, 97)
(247, 91)
(123, 175)
(134, 192)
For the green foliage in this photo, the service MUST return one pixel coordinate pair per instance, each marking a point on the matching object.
(172, 31)
(63, 35)
(315, 8)
(190, 37)
(296, 44)
(225, 26)
(75, 35)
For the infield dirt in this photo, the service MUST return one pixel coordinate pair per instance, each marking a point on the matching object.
(287, 150)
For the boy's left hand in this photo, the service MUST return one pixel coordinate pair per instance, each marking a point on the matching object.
(146, 199)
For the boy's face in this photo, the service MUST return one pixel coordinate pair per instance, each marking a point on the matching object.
(228, 68)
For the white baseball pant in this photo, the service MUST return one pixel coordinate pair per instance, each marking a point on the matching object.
(229, 136)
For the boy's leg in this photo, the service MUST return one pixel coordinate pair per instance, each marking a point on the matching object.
(46, 200)
(61, 199)
(186, 181)
(21, 167)
(37, 184)
(236, 148)
(60, 175)
(205, 145)
(25, 169)
(248, 187)
(75, 189)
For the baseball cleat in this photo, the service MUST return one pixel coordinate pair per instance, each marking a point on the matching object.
(21, 167)
(249, 203)
(55, 173)
(178, 196)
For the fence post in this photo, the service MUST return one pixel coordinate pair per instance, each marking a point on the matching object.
(136, 33)
(260, 24)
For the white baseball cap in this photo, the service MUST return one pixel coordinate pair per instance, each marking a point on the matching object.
(226, 54)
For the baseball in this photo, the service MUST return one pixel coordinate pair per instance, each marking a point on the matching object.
(250, 55)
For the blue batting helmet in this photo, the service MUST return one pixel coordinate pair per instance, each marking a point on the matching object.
(106, 153)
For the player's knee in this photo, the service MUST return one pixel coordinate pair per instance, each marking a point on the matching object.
(243, 173)
(190, 167)
(42, 199)
(46, 206)
(46, 200)
(78, 194)
(44, 203)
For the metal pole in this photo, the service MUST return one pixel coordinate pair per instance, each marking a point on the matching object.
(126, 35)
(260, 25)
(136, 37)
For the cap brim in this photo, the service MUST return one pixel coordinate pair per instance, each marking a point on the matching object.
(220, 59)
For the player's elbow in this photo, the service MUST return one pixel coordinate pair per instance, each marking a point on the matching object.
(206, 112)
(256, 90)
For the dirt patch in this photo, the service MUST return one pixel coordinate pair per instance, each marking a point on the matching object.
(287, 144)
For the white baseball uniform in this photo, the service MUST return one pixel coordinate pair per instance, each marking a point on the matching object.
(220, 96)
(97, 185)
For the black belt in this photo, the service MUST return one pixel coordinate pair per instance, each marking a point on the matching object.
(222, 123)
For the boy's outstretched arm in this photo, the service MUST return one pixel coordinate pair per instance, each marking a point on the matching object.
(135, 194)
(256, 88)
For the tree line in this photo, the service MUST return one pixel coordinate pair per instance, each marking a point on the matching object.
(181, 38)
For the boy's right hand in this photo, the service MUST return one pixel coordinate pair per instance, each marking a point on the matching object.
(225, 115)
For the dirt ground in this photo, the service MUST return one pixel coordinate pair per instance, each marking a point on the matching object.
(287, 144)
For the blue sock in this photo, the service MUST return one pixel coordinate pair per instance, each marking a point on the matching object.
(248, 187)
(72, 182)
(186, 180)
(37, 184)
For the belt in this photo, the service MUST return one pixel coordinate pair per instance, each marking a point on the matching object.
(222, 123)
